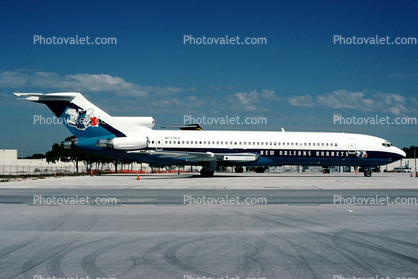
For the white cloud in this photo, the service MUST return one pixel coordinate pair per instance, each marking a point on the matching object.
(301, 101)
(13, 79)
(269, 95)
(82, 83)
(402, 76)
(346, 100)
(250, 102)
(342, 99)
(220, 88)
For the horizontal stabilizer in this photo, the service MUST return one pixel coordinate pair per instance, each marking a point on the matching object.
(39, 97)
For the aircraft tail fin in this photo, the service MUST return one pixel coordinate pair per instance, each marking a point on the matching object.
(84, 119)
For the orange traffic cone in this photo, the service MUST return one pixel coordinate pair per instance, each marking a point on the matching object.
(91, 173)
(137, 178)
(412, 175)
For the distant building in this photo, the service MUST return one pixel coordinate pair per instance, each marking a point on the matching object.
(11, 165)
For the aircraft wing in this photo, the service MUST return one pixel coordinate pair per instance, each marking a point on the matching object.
(195, 157)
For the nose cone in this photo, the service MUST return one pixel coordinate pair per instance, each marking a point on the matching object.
(399, 153)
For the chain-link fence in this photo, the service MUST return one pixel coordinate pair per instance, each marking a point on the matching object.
(39, 170)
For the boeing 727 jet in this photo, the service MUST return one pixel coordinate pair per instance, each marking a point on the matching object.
(133, 138)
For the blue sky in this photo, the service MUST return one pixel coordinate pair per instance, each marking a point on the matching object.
(299, 80)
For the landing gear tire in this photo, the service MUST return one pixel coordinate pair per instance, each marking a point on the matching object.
(206, 173)
(239, 169)
(259, 169)
(367, 173)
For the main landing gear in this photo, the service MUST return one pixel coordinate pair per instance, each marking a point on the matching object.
(259, 169)
(367, 172)
(239, 169)
(208, 170)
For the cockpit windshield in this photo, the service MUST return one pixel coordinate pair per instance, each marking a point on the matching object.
(387, 144)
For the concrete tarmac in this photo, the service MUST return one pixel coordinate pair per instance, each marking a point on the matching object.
(230, 226)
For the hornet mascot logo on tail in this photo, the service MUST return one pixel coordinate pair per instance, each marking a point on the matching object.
(81, 119)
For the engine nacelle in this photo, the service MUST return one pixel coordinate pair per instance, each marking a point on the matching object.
(124, 143)
(70, 144)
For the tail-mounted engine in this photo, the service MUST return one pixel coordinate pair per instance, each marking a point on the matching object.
(70, 144)
(124, 143)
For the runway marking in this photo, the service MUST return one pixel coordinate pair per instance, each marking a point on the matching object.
(227, 184)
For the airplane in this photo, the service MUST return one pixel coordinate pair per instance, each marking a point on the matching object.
(133, 139)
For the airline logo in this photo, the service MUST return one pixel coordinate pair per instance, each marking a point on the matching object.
(361, 154)
(81, 119)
